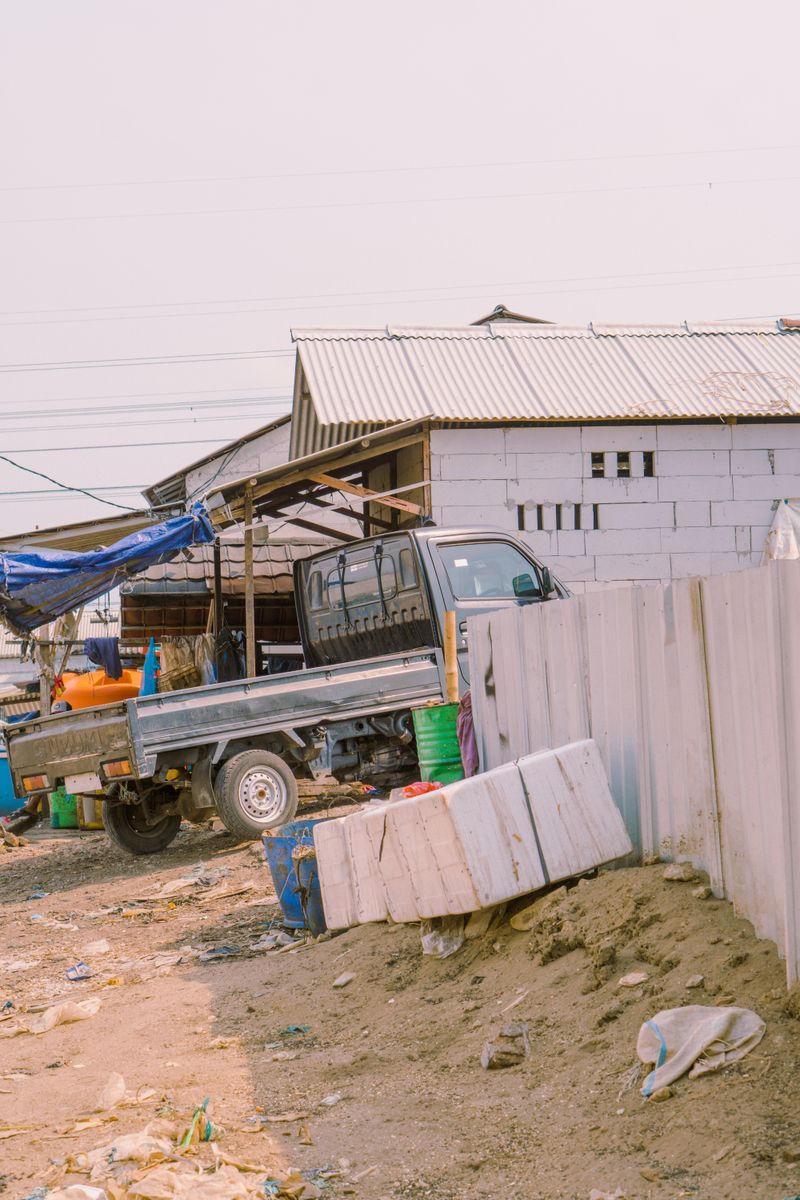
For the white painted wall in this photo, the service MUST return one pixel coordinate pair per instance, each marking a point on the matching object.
(706, 509)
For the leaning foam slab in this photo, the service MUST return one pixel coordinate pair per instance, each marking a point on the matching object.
(472, 844)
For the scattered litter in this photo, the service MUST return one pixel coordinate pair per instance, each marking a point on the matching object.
(220, 952)
(515, 1002)
(112, 1094)
(201, 1127)
(695, 981)
(634, 979)
(442, 936)
(78, 1191)
(509, 1048)
(80, 971)
(295, 1030)
(37, 894)
(329, 1101)
(95, 948)
(344, 979)
(58, 1014)
(680, 873)
(696, 1039)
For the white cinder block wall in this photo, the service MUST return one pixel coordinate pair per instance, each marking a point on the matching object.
(608, 504)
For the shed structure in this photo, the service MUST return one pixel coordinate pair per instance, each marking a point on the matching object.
(618, 452)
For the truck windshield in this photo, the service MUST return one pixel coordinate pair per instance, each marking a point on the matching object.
(488, 570)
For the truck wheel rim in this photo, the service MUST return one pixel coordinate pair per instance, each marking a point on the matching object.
(262, 794)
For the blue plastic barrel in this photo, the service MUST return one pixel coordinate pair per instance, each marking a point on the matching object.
(300, 899)
(8, 801)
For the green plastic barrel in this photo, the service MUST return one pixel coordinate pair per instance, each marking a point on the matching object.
(437, 743)
(63, 809)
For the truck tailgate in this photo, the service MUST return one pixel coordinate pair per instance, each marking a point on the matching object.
(249, 707)
(71, 743)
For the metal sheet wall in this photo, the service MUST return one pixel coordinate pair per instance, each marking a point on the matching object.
(692, 693)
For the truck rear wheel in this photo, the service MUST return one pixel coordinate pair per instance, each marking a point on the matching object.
(127, 826)
(255, 791)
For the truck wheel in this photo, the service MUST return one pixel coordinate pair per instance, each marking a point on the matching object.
(125, 824)
(255, 791)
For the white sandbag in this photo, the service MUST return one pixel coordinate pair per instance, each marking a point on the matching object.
(697, 1039)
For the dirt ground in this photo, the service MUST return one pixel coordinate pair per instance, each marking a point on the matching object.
(417, 1117)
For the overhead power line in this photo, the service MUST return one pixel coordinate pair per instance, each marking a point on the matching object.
(414, 296)
(150, 361)
(65, 487)
(113, 446)
(398, 202)
(225, 418)
(113, 410)
(411, 169)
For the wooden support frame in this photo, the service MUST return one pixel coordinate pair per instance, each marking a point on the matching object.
(249, 587)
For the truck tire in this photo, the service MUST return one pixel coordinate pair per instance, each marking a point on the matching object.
(255, 791)
(125, 825)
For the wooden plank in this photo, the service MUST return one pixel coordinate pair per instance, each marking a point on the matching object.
(354, 489)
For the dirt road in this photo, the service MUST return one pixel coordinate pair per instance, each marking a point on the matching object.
(384, 1089)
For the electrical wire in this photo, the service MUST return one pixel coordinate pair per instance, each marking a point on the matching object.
(396, 202)
(147, 361)
(105, 410)
(370, 298)
(540, 162)
(111, 446)
(65, 487)
(217, 420)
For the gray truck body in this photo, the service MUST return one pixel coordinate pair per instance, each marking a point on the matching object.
(371, 617)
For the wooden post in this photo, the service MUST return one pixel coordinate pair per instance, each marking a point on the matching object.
(249, 586)
(450, 657)
(217, 603)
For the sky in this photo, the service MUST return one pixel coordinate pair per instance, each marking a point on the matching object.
(185, 181)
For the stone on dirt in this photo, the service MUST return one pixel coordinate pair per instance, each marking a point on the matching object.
(680, 873)
(344, 979)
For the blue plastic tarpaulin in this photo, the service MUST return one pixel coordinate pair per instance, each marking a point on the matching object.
(36, 586)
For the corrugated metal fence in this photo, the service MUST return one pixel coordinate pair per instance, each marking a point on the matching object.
(692, 693)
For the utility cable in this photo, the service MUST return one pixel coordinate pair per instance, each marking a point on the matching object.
(398, 203)
(480, 166)
(146, 361)
(65, 486)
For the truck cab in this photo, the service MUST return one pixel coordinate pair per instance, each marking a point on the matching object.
(388, 594)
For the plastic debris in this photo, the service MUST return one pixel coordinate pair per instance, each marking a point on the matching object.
(442, 936)
(78, 1191)
(112, 1094)
(295, 1030)
(58, 1014)
(219, 952)
(344, 980)
(37, 894)
(508, 1049)
(201, 1128)
(332, 1099)
(80, 971)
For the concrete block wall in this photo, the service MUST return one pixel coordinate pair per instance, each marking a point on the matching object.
(606, 504)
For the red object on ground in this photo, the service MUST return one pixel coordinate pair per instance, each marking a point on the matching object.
(420, 789)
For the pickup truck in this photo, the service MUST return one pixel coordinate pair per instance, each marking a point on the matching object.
(370, 614)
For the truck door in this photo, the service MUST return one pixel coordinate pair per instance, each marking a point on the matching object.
(483, 574)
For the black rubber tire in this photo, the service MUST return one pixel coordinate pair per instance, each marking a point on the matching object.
(132, 835)
(269, 775)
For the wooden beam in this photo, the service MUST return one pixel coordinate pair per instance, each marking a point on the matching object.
(249, 587)
(354, 489)
(325, 530)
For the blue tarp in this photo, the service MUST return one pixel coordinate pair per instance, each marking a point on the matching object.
(36, 586)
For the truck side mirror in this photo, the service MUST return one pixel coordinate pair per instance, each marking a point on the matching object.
(547, 582)
(524, 587)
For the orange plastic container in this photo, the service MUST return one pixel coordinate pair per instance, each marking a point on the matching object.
(95, 687)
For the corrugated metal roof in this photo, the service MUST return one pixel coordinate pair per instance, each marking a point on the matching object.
(90, 626)
(351, 379)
